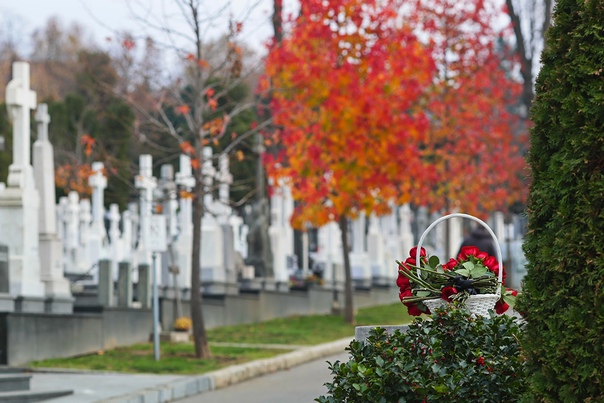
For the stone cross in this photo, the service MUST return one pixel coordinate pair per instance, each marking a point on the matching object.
(225, 178)
(44, 173)
(20, 99)
(406, 232)
(98, 183)
(146, 183)
(43, 119)
(170, 204)
(114, 229)
(85, 219)
(184, 243)
(208, 175)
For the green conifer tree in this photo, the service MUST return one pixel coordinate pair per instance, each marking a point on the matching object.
(563, 295)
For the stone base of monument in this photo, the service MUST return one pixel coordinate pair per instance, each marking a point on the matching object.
(269, 284)
(175, 337)
(249, 285)
(361, 333)
(362, 283)
(59, 305)
(30, 304)
(219, 288)
(7, 303)
(382, 282)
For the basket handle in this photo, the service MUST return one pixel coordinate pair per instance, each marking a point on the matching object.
(479, 221)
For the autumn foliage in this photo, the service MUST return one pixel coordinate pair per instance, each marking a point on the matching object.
(472, 150)
(348, 89)
(378, 103)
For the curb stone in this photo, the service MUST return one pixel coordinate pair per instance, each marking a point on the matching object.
(231, 375)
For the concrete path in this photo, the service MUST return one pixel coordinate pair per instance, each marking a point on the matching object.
(301, 384)
(93, 386)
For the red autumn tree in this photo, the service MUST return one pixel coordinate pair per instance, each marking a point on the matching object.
(472, 145)
(347, 85)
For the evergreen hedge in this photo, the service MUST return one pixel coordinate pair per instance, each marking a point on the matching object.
(563, 295)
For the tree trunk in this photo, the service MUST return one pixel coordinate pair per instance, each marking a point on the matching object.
(200, 339)
(348, 299)
(278, 20)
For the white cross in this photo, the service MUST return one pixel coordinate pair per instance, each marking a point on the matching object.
(225, 178)
(184, 177)
(208, 172)
(19, 100)
(43, 119)
(98, 183)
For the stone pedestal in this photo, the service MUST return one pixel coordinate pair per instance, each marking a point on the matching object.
(7, 302)
(19, 223)
(30, 304)
(124, 285)
(105, 295)
(144, 285)
(57, 287)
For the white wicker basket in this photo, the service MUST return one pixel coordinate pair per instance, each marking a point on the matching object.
(477, 304)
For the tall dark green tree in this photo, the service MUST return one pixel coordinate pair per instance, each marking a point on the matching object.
(564, 289)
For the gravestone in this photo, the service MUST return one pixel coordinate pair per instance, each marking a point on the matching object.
(97, 236)
(376, 253)
(19, 201)
(124, 285)
(72, 236)
(57, 287)
(85, 261)
(184, 241)
(260, 254)
(225, 178)
(406, 233)
(359, 260)
(166, 192)
(116, 251)
(393, 243)
(145, 182)
(330, 253)
(281, 235)
(7, 302)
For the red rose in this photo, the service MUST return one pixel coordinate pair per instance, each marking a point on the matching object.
(491, 263)
(413, 310)
(501, 307)
(467, 251)
(513, 292)
(447, 292)
(413, 252)
(450, 265)
(482, 255)
(402, 282)
(404, 294)
(409, 262)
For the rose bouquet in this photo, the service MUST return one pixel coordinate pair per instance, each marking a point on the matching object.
(472, 273)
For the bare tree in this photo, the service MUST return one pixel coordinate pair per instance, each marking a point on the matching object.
(530, 21)
(209, 68)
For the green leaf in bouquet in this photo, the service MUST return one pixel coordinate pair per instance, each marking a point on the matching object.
(433, 261)
(478, 271)
(463, 272)
(468, 265)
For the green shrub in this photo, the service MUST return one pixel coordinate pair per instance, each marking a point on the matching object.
(563, 293)
(452, 358)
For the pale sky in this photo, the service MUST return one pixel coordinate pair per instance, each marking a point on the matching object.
(103, 17)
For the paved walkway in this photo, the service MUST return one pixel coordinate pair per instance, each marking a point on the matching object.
(90, 386)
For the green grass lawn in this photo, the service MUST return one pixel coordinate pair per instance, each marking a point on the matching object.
(178, 358)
